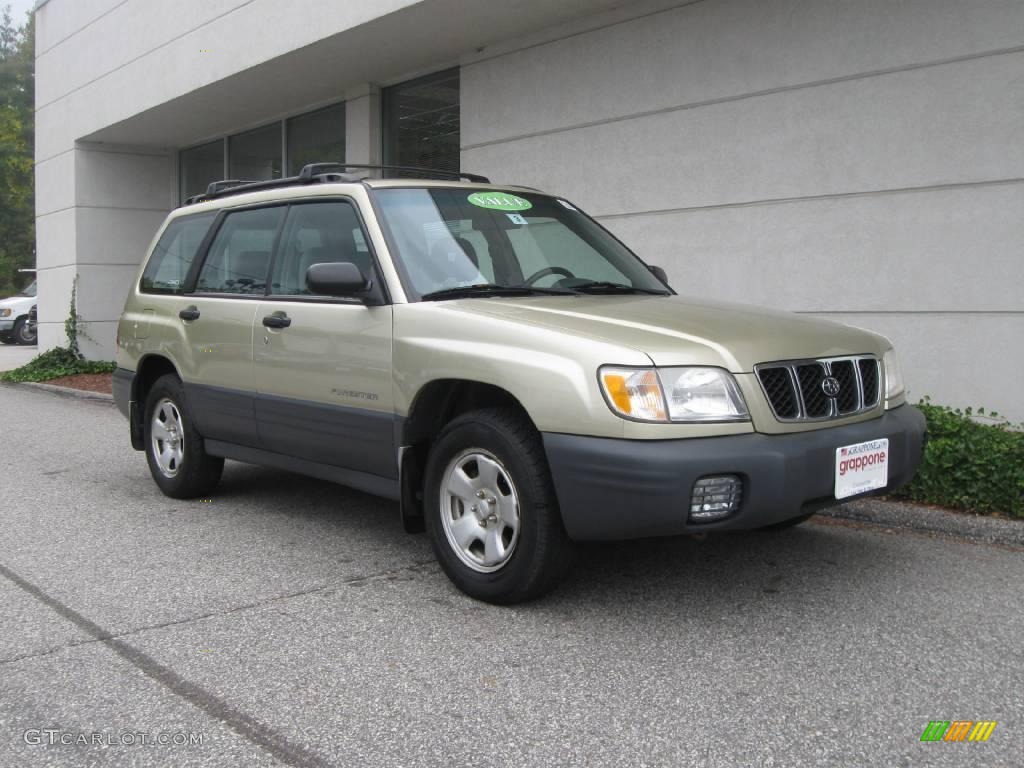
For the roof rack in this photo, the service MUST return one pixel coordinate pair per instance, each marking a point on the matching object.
(321, 173)
(220, 186)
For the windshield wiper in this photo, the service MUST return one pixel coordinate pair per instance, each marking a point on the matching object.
(489, 289)
(602, 286)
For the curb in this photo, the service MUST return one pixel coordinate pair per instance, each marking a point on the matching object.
(979, 529)
(77, 394)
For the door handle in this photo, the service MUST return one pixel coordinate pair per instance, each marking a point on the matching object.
(190, 313)
(277, 321)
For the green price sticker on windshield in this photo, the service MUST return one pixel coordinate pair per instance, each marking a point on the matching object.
(499, 201)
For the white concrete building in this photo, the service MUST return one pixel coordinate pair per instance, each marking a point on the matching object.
(857, 159)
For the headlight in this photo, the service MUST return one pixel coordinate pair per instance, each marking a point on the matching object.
(894, 387)
(5, 312)
(702, 394)
(673, 394)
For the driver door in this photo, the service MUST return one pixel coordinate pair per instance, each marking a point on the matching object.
(322, 365)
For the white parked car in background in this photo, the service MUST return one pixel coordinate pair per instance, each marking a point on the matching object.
(15, 327)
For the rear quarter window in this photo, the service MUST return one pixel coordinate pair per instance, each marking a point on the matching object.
(174, 253)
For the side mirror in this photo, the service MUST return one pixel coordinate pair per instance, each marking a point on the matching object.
(659, 273)
(341, 278)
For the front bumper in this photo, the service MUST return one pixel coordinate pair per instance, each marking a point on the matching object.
(7, 324)
(625, 489)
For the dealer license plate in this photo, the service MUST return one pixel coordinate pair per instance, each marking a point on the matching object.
(862, 467)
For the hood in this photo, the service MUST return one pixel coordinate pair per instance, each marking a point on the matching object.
(679, 330)
(19, 303)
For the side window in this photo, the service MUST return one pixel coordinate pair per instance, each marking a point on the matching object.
(318, 233)
(175, 250)
(239, 255)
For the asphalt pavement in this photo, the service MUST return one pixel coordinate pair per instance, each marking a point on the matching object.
(14, 356)
(288, 621)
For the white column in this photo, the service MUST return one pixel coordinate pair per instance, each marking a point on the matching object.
(362, 125)
(95, 220)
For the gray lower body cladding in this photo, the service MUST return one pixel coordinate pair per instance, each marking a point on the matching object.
(622, 489)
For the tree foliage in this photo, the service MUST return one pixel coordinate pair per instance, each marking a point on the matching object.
(17, 131)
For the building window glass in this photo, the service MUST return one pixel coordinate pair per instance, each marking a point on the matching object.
(200, 166)
(317, 137)
(421, 122)
(256, 155)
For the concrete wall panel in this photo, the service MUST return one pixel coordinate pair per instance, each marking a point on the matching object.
(134, 180)
(55, 184)
(102, 289)
(58, 20)
(54, 296)
(941, 125)
(714, 50)
(116, 235)
(942, 249)
(208, 40)
(56, 240)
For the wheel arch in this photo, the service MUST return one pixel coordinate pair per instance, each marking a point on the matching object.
(149, 369)
(435, 405)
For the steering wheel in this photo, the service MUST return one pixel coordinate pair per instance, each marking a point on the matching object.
(548, 271)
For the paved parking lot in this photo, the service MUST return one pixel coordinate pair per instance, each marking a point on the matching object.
(14, 356)
(291, 622)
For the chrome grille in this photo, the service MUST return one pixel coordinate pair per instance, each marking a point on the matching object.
(796, 389)
(868, 367)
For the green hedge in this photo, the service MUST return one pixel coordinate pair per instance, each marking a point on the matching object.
(55, 363)
(969, 465)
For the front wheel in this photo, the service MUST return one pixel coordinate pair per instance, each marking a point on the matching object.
(491, 510)
(175, 451)
(24, 333)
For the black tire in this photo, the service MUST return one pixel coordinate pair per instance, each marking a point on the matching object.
(23, 334)
(791, 523)
(196, 473)
(542, 553)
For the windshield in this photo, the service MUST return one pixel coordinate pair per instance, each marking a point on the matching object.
(30, 290)
(446, 238)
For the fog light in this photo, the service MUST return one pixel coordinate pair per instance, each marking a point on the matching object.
(715, 497)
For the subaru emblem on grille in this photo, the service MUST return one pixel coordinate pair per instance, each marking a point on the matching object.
(830, 386)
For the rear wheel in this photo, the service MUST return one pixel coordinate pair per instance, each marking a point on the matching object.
(175, 451)
(23, 333)
(491, 509)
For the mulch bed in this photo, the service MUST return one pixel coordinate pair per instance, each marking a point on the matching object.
(90, 382)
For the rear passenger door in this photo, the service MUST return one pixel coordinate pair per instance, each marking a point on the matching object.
(217, 323)
(324, 378)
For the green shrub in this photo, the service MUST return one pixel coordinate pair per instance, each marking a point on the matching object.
(968, 465)
(53, 364)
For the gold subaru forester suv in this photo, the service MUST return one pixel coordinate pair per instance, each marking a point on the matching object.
(496, 362)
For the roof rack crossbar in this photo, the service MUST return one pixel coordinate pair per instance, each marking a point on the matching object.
(219, 186)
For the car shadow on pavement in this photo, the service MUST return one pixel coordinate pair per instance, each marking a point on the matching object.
(754, 568)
